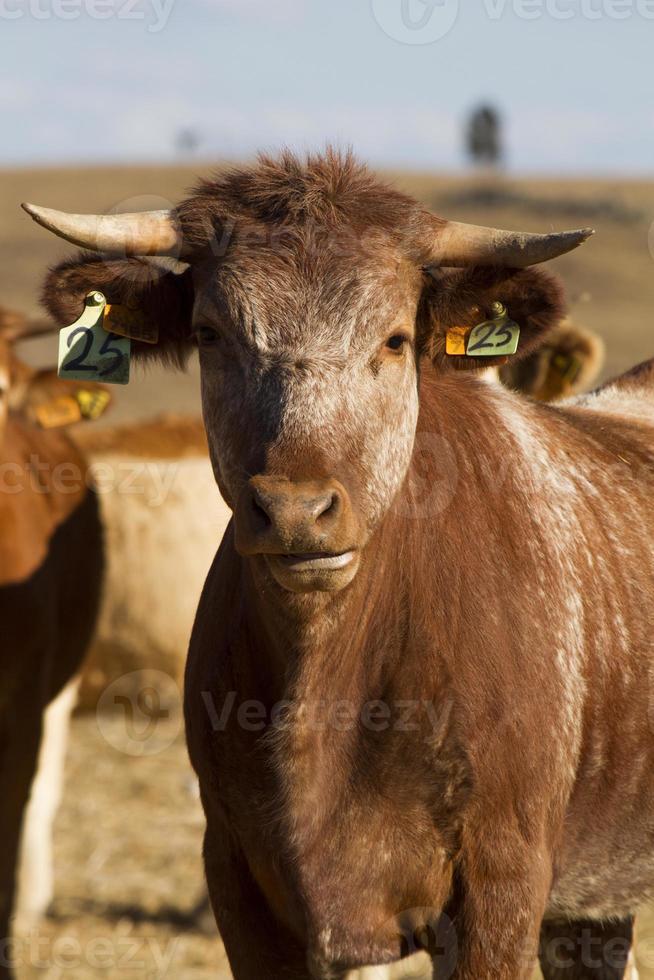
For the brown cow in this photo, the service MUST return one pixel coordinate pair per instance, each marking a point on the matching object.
(50, 571)
(418, 688)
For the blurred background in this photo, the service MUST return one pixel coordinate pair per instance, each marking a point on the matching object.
(533, 114)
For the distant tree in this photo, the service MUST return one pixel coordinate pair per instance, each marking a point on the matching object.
(187, 141)
(484, 137)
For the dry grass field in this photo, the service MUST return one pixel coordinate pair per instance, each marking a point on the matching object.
(129, 833)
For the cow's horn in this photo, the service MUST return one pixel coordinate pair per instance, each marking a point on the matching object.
(458, 244)
(146, 233)
(27, 330)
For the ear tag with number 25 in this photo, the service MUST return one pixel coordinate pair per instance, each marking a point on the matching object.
(495, 337)
(87, 352)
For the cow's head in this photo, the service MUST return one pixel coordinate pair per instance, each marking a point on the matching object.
(312, 291)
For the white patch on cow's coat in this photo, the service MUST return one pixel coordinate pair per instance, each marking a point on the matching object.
(550, 479)
(563, 492)
(634, 402)
(490, 374)
(36, 867)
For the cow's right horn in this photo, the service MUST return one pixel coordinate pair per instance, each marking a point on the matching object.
(457, 244)
(146, 233)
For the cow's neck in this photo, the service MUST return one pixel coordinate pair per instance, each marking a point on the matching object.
(313, 642)
(351, 642)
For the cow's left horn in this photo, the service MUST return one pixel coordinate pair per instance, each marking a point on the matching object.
(19, 328)
(458, 244)
(146, 233)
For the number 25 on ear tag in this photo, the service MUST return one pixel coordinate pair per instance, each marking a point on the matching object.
(495, 337)
(87, 352)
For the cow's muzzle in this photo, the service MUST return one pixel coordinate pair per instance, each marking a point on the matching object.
(306, 531)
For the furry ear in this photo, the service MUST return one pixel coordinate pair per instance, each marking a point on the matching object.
(163, 296)
(568, 363)
(463, 298)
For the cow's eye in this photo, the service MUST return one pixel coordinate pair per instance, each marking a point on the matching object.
(396, 342)
(206, 335)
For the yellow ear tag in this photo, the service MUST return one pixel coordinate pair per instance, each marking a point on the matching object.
(455, 340)
(495, 337)
(567, 366)
(130, 323)
(88, 352)
(92, 404)
(58, 412)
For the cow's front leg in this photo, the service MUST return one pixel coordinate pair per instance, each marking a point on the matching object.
(585, 950)
(500, 897)
(36, 866)
(257, 944)
(20, 732)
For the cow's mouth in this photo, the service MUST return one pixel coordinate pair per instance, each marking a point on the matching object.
(317, 561)
(314, 571)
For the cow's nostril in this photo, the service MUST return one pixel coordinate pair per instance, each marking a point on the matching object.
(260, 511)
(330, 508)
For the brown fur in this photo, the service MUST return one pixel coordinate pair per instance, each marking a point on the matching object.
(50, 569)
(500, 592)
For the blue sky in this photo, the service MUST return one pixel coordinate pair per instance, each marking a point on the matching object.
(395, 78)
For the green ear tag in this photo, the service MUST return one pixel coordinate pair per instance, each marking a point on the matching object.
(496, 337)
(87, 352)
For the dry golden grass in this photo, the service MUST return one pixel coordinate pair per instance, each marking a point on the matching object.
(129, 833)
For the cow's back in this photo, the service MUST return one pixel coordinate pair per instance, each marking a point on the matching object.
(550, 547)
(606, 862)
